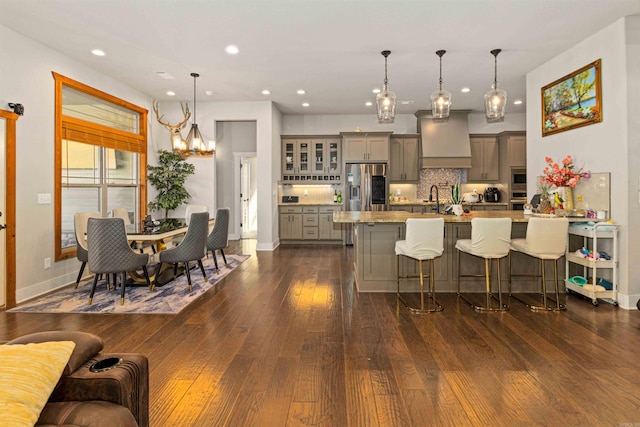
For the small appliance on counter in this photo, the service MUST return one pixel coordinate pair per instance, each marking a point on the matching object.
(289, 199)
(492, 195)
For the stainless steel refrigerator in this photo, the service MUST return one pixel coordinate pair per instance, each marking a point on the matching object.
(366, 190)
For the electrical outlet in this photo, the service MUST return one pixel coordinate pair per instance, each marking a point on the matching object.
(47, 263)
(306, 193)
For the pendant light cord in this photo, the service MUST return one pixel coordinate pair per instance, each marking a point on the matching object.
(195, 76)
(385, 71)
(495, 78)
(440, 73)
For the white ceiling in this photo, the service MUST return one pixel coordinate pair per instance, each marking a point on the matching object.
(330, 48)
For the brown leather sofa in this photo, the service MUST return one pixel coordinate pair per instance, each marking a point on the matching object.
(89, 396)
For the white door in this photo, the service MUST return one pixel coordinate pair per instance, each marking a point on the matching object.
(3, 219)
(249, 199)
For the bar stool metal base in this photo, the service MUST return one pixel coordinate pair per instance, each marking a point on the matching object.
(545, 299)
(432, 306)
(489, 295)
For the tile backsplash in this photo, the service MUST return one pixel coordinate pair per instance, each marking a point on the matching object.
(442, 178)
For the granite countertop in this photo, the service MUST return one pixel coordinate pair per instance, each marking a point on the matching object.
(310, 204)
(422, 203)
(356, 217)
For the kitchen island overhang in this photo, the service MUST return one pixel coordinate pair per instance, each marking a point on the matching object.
(376, 264)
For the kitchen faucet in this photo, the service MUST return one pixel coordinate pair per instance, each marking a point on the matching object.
(437, 208)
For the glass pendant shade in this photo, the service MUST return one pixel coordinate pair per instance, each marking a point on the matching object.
(495, 100)
(495, 103)
(386, 100)
(441, 99)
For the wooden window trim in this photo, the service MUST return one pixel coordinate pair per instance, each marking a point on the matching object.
(137, 143)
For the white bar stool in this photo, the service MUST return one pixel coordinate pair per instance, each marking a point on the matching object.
(490, 239)
(424, 240)
(546, 240)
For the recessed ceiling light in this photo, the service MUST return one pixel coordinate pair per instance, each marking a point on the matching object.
(465, 90)
(171, 93)
(406, 102)
(368, 104)
(165, 75)
(266, 92)
(208, 92)
(517, 102)
(305, 104)
(376, 90)
(232, 49)
(98, 52)
(301, 92)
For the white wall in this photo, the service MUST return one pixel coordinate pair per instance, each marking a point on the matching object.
(267, 119)
(231, 137)
(512, 122)
(601, 147)
(25, 73)
(334, 124)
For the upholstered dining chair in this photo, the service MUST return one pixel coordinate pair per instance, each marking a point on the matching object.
(490, 240)
(121, 213)
(546, 239)
(218, 239)
(192, 247)
(110, 253)
(424, 241)
(80, 220)
(191, 209)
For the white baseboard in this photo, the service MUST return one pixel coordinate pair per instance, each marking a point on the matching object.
(37, 289)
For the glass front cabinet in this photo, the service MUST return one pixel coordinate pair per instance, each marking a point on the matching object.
(314, 159)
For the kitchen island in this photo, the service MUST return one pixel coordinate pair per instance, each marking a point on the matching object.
(376, 233)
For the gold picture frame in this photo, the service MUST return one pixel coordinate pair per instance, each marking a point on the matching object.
(572, 101)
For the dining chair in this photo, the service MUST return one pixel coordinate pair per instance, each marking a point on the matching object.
(192, 247)
(80, 220)
(490, 240)
(546, 239)
(424, 240)
(218, 239)
(110, 253)
(121, 213)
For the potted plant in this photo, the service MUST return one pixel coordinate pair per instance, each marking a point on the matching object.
(456, 199)
(168, 178)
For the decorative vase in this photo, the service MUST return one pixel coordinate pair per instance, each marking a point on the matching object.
(545, 205)
(457, 210)
(567, 197)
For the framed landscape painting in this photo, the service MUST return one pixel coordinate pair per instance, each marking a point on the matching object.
(572, 101)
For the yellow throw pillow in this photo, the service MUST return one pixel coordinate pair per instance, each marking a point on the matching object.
(28, 375)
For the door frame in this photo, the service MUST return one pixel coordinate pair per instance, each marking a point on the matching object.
(10, 206)
(237, 158)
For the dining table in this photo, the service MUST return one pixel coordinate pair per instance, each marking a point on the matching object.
(158, 235)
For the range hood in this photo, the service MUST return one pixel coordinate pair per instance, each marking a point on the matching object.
(445, 144)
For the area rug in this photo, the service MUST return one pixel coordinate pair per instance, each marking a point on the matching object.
(169, 298)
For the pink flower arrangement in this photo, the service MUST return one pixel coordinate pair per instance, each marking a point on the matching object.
(563, 175)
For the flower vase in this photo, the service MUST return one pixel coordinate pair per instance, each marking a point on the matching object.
(567, 198)
(457, 210)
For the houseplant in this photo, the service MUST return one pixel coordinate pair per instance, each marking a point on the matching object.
(456, 199)
(168, 178)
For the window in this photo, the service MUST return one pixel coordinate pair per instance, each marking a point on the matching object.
(100, 157)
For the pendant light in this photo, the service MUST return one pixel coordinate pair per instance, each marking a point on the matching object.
(440, 99)
(195, 141)
(386, 100)
(495, 100)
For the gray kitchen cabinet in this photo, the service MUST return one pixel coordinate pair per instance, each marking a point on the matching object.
(485, 159)
(290, 223)
(326, 156)
(380, 239)
(403, 160)
(311, 160)
(310, 223)
(327, 230)
(359, 146)
(516, 148)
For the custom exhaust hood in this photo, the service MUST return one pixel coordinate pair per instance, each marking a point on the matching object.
(445, 144)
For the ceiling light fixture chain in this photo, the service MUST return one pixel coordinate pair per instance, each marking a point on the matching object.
(386, 100)
(195, 142)
(441, 99)
(495, 100)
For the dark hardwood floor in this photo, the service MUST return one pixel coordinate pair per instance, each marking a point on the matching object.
(287, 341)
